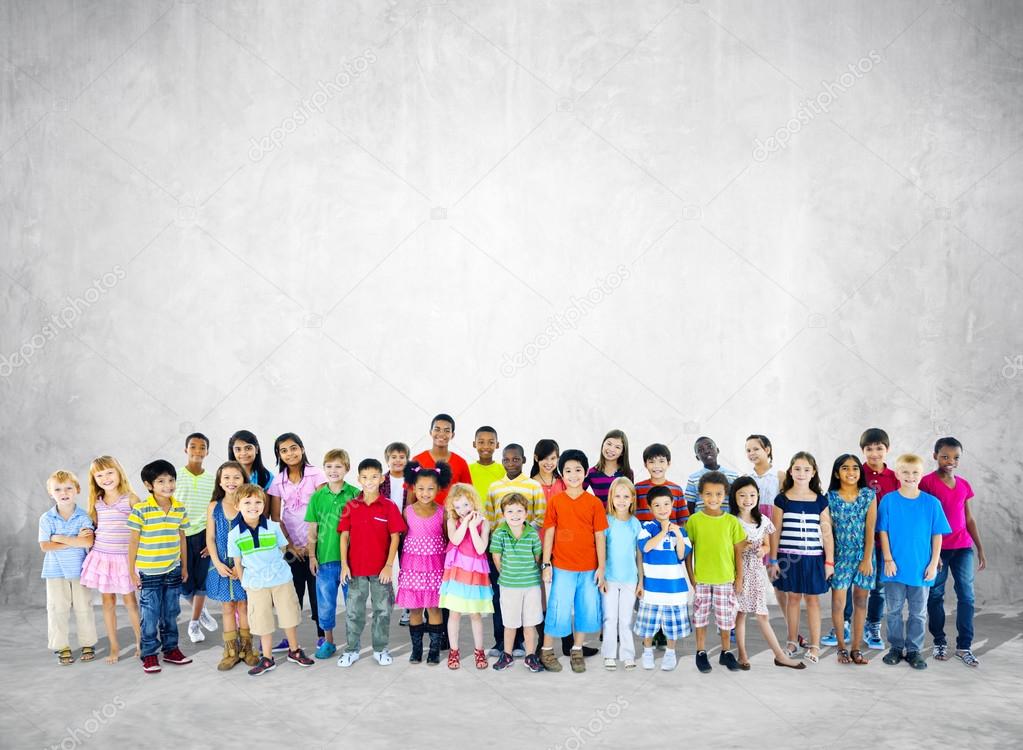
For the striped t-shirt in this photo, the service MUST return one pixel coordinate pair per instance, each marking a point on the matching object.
(600, 483)
(260, 552)
(67, 562)
(195, 491)
(679, 508)
(664, 578)
(159, 543)
(801, 525)
(528, 488)
(693, 486)
(518, 556)
(112, 534)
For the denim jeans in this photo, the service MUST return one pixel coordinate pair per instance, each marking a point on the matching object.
(159, 609)
(959, 562)
(362, 589)
(908, 635)
(328, 581)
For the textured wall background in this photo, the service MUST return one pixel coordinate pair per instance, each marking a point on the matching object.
(794, 218)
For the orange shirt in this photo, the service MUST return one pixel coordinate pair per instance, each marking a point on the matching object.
(575, 522)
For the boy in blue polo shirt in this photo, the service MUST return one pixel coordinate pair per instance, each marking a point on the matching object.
(910, 524)
(65, 533)
(257, 546)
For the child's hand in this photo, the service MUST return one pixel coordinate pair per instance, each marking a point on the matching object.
(313, 565)
(85, 532)
(639, 590)
(346, 574)
(184, 574)
(930, 572)
(205, 552)
(665, 525)
(223, 569)
(866, 566)
(135, 579)
(765, 548)
(385, 575)
(890, 568)
(773, 571)
(738, 585)
(548, 575)
(598, 578)
(673, 527)
(981, 560)
(298, 552)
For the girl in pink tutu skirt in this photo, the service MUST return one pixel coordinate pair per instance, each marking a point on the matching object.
(106, 566)
(422, 558)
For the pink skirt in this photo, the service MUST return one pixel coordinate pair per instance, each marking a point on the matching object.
(107, 573)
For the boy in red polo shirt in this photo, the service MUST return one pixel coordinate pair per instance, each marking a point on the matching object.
(370, 527)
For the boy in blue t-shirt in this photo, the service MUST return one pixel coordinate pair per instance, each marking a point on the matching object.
(910, 524)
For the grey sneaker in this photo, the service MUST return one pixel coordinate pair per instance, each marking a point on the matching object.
(967, 657)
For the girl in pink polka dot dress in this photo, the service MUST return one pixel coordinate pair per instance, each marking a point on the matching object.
(422, 558)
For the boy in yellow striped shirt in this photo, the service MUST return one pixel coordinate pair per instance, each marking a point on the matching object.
(157, 558)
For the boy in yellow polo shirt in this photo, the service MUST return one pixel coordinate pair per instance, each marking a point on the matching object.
(157, 559)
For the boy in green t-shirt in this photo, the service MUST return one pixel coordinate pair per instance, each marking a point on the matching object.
(715, 567)
(324, 542)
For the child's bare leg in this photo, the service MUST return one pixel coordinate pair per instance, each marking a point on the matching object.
(266, 645)
(772, 640)
(837, 615)
(701, 639)
(241, 611)
(859, 616)
(415, 617)
(477, 631)
(726, 639)
(132, 605)
(649, 643)
(529, 635)
(792, 615)
(578, 639)
(783, 605)
(813, 615)
(110, 621)
(228, 616)
(509, 640)
(454, 620)
(434, 616)
(329, 635)
(740, 636)
(292, 634)
(198, 602)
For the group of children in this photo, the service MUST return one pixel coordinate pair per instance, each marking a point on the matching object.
(567, 552)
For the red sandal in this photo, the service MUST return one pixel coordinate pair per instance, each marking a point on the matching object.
(454, 660)
(481, 658)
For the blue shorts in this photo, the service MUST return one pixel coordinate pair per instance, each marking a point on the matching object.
(572, 593)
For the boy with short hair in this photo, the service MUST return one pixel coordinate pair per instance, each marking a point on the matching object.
(393, 487)
(324, 543)
(513, 481)
(910, 523)
(715, 567)
(516, 549)
(706, 451)
(195, 490)
(664, 604)
(442, 431)
(485, 471)
(957, 554)
(158, 564)
(257, 546)
(657, 460)
(370, 527)
(65, 533)
(573, 562)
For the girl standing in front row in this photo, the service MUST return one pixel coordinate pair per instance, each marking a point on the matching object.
(623, 581)
(106, 566)
(466, 587)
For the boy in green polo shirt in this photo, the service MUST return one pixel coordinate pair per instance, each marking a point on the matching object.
(158, 564)
(516, 550)
(324, 545)
(195, 490)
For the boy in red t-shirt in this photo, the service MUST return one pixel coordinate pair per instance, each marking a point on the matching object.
(370, 527)
(573, 562)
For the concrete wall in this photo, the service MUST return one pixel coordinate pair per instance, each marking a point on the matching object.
(559, 218)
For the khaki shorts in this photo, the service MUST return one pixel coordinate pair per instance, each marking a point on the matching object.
(521, 607)
(262, 603)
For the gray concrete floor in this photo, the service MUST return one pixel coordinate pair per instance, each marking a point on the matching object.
(415, 706)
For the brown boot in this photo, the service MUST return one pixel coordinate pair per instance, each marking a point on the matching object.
(230, 657)
(246, 652)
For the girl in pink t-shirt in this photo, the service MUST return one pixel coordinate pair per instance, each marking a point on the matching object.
(106, 566)
(289, 493)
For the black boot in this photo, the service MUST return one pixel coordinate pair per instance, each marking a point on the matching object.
(444, 645)
(435, 631)
(416, 634)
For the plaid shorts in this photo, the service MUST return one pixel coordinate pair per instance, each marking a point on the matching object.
(673, 619)
(723, 597)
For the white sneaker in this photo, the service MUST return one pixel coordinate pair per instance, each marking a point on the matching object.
(207, 620)
(648, 658)
(348, 658)
(195, 633)
(670, 661)
(383, 657)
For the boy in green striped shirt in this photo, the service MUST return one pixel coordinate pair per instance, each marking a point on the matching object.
(516, 550)
(195, 490)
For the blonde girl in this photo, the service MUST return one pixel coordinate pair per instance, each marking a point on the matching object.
(623, 581)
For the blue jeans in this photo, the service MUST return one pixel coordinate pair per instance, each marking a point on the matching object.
(908, 635)
(875, 601)
(159, 609)
(960, 563)
(328, 581)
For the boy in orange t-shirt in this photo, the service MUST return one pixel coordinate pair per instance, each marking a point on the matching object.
(573, 562)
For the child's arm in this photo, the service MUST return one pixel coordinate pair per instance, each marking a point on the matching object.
(639, 573)
(971, 527)
(388, 570)
(739, 582)
(133, 551)
(496, 556)
(656, 541)
(311, 537)
(346, 573)
(773, 571)
(480, 536)
(867, 563)
(548, 549)
(456, 530)
(932, 568)
(689, 566)
(890, 568)
(598, 576)
(184, 555)
(70, 541)
(829, 544)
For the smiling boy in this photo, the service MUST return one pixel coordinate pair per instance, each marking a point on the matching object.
(657, 460)
(706, 451)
